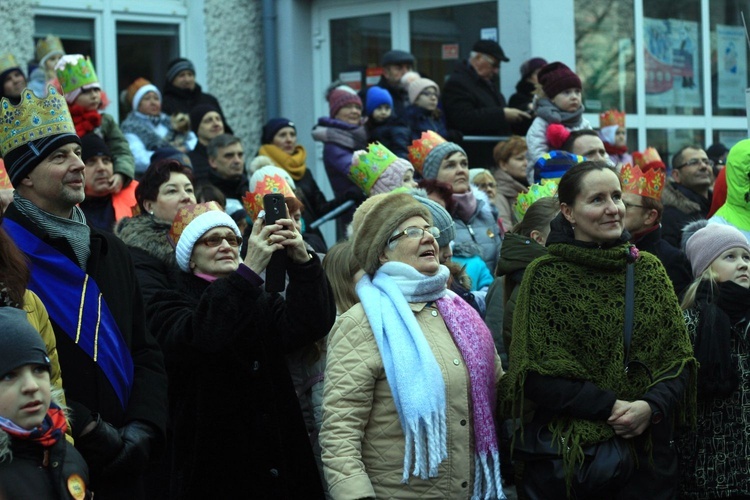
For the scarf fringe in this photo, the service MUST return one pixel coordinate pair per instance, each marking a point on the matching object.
(488, 484)
(426, 446)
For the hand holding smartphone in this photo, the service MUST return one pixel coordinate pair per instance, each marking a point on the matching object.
(275, 208)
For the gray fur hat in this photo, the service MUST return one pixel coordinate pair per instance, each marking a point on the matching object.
(435, 157)
(20, 343)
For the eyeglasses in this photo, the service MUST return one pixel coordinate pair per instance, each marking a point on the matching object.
(415, 232)
(217, 239)
(429, 93)
(696, 162)
(486, 185)
(628, 205)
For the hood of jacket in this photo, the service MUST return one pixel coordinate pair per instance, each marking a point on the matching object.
(736, 210)
(148, 234)
(517, 252)
(672, 197)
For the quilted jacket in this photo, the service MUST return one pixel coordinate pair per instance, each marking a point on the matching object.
(362, 440)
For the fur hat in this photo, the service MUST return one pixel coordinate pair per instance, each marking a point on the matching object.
(441, 219)
(191, 223)
(708, 243)
(376, 97)
(381, 221)
(435, 158)
(93, 145)
(338, 98)
(178, 65)
(20, 343)
(138, 89)
(418, 86)
(531, 65)
(272, 127)
(556, 77)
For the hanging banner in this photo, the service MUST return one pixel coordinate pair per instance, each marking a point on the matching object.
(731, 63)
(672, 63)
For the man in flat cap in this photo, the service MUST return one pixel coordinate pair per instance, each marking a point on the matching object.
(395, 64)
(115, 381)
(473, 102)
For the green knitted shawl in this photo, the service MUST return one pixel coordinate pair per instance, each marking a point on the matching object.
(569, 323)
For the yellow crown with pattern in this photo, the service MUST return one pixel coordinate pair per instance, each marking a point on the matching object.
(649, 184)
(49, 45)
(367, 168)
(421, 147)
(648, 159)
(547, 189)
(8, 62)
(270, 184)
(612, 117)
(75, 76)
(33, 118)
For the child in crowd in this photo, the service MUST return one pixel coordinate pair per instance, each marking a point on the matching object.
(36, 461)
(49, 50)
(614, 135)
(423, 113)
(561, 104)
(85, 99)
(377, 170)
(382, 125)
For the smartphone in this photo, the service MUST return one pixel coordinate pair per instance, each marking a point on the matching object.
(275, 208)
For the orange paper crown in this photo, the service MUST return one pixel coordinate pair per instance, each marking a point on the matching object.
(4, 179)
(186, 215)
(612, 117)
(648, 159)
(253, 200)
(421, 147)
(649, 184)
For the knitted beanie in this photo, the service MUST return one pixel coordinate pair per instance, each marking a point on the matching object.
(93, 145)
(556, 77)
(706, 244)
(191, 223)
(376, 97)
(418, 86)
(381, 221)
(272, 127)
(435, 158)
(197, 114)
(138, 89)
(20, 343)
(338, 98)
(441, 219)
(178, 65)
(531, 65)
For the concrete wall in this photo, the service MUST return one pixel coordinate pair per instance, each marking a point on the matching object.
(17, 35)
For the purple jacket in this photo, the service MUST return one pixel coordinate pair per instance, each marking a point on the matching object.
(340, 141)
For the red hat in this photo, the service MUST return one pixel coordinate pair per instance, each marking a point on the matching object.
(341, 97)
(556, 77)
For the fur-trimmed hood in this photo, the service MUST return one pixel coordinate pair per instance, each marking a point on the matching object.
(148, 234)
(672, 197)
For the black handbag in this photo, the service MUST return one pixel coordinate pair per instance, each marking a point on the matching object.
(607, 466)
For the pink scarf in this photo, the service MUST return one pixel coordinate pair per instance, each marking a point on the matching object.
(465, 206)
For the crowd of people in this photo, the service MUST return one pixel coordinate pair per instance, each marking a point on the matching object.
(552, 314)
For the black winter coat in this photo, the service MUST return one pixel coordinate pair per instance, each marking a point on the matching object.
(176, 100)
(674, 260)
(87, 388)
(238, 430)
(523, 99)
(681, 207)
(393, 134)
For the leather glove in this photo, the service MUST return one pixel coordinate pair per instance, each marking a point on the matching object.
(100, 445)
(133, 458)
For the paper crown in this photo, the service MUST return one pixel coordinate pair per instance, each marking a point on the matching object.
(4, 179)
(188, 214)
(75, 76)
(8, 62)
(649, 184)
(547, 189)
(253, 200)
(367, 168)
(612, 117)
(33, 118)
(421, 147)
(48, 45)
(648, 159)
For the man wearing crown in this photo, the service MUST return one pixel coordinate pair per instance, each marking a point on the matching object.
(642, 185)
(114, 372)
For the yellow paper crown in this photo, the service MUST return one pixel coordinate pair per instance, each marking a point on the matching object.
(188, 214)
(612, 117)
(649, 184)
(421, 147)
(366, 169)
(253, 200)
(547, 189)
(7, 62)
(33, 118)
(648, 159)
(75, 76)
(48, 45)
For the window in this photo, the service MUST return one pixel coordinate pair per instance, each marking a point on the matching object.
(77, 34)
(729, 58)
(355, 43)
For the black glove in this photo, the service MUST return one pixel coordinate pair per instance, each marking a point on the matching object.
(134, 455)
(100, 445)
(356, 195)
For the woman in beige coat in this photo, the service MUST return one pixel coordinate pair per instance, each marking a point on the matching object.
(411, 372)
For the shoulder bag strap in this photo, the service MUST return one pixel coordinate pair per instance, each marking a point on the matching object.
(629, 299)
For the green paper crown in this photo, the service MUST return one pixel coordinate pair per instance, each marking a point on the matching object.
(32, 119)
(547, 189)
(368, 168)
(75, 76)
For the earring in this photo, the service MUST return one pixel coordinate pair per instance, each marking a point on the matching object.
(151, 212)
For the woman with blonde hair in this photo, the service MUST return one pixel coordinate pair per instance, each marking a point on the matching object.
(510, 176)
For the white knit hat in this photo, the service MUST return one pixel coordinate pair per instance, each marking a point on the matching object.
(191, 223)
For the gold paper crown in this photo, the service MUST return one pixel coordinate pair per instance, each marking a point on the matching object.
(48, 45)
(33, 118)
(368, 167)
(188, 214)
(75, 76)
(547, 189)
(649, 184)
(253, 200)
(421, 147)
(612, 117)
(4, 179)
(648, 159)
(8, 61)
